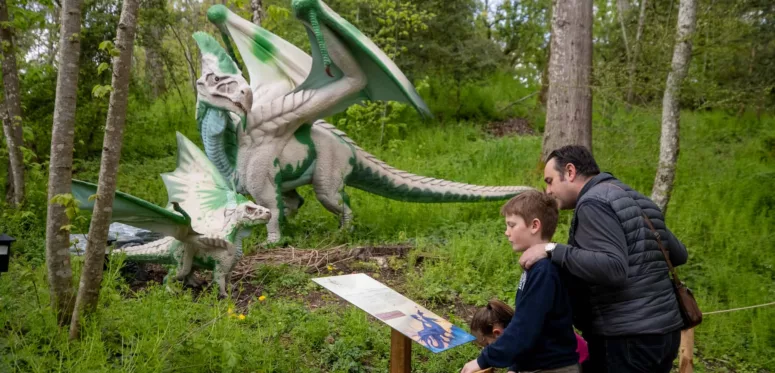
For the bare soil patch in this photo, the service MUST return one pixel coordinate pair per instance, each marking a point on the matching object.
(246, 288)
(510, 127)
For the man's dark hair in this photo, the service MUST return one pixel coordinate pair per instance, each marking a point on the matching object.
(577, 155)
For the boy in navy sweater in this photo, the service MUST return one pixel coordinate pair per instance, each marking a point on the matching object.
(540, 336)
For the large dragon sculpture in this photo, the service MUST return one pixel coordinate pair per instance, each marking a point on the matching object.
(267, 137)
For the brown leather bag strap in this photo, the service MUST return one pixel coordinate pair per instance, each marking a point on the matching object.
(661, 247)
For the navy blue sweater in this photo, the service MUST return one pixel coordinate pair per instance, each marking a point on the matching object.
(540, 335)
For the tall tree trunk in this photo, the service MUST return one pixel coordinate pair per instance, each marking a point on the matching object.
(258, 11)
(623, 10)
(151, 38)
(12, 120)
(53, 29)
(175, 83)
(542, 95)
(668, 149)
(636, 52)
(89, 289)
(569, 106)
(155, 66)
(9, 183)
(671, 113)
(487, 24)
(189, 60)
(60, 273)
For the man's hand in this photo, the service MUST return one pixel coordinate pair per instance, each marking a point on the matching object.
(532, 255)
(471, 367)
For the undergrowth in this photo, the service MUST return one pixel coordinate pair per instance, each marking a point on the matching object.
(721, 208)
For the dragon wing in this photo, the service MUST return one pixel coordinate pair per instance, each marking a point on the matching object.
(199, 189)
(275, 66)
(133, 211)
(204, 198)
(385, 79)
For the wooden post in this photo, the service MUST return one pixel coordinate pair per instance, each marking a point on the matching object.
(686, 352)
(400, 352)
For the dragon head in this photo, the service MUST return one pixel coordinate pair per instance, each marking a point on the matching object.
(249, 214)
(221, 84)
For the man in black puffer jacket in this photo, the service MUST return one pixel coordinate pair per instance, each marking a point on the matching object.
(622, 296)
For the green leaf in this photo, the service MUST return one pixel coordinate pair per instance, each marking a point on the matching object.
(62, 199)
(102, 67)
(106, 45)
(100, 91)
(28, 134)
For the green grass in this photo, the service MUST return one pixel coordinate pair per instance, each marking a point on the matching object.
(722, 209)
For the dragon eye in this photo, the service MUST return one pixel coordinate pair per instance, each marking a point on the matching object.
(217, 79)
(250, 209)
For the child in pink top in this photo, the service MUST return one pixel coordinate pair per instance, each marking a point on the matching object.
(489, 322)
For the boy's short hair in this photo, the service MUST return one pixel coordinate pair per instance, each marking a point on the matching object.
(534, 205)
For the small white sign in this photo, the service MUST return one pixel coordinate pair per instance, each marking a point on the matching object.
(396, 310)
(3, 250)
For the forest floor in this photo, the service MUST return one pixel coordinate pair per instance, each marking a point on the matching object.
(450, 258)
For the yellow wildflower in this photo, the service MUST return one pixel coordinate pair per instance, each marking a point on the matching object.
(241, 317)
(230, 311)
(262, 298)
(330, 268)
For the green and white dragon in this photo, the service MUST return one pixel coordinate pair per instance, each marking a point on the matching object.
(267, 136)
(202, 221)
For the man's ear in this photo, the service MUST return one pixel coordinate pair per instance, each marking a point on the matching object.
(570, 171)
(535, 226)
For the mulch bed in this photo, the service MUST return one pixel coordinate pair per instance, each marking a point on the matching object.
(245, 287)
(510, 127)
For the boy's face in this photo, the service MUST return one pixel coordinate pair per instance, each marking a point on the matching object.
(520, 234)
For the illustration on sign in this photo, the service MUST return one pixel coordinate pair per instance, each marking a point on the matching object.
(399, 312)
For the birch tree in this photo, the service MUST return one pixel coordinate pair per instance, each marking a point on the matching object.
(633, 61)
(89, 288)
(569, 103)
(669, 140)
(258, 11)
(12, 117)
(150, 35)
(61, 165)
(623, 10)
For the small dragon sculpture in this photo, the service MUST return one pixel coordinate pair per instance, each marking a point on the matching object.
(202, 222)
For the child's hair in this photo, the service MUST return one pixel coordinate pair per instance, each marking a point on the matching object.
(495, 313)
(534, 205)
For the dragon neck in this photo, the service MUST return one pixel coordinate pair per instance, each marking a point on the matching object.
(213, 124)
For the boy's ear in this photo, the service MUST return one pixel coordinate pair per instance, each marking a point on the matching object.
(497, 331)
(535, 226)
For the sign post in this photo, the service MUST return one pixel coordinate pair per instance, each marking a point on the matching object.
(400, 352)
